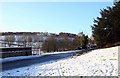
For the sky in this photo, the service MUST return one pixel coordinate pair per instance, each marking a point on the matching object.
(53, 17)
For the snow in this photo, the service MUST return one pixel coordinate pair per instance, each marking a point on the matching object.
(63, 52)
(18, 58)
(101, 62)
(9, 59)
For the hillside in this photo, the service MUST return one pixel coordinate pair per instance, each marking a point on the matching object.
(101, 62)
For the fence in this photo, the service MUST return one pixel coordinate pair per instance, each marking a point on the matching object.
(15, 51)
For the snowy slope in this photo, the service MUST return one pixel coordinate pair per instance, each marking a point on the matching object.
(101, 62)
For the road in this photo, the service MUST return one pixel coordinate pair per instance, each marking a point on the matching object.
(30, 61)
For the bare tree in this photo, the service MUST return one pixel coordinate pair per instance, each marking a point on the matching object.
(29, 40)
(9, 40)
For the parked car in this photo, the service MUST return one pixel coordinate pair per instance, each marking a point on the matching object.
(79, 48)
(91, 47)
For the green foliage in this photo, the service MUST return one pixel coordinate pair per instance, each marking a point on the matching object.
(84, 41)
(106, 29)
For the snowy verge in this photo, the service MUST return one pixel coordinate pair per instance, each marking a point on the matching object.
(9, 59)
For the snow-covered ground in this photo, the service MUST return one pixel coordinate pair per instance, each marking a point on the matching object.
(101, 62)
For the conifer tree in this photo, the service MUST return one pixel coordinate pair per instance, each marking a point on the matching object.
(106, 29)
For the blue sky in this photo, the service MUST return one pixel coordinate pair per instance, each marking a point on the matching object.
(53, 17)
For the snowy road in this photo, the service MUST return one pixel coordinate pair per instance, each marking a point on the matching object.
(26, 62)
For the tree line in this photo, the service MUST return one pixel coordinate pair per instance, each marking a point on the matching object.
(53, 44)
(50, 44)
(12, 40)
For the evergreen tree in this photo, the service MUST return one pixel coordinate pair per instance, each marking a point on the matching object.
(106, 29)
(84, 41)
